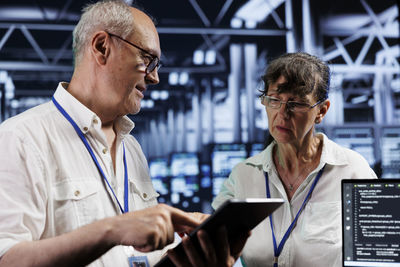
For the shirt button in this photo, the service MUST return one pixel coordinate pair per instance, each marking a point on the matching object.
(144, 195)
(104, 150)
(85, 129)
(77, 193)
(95, 121)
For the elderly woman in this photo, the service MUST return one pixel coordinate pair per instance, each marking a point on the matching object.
(301, 166)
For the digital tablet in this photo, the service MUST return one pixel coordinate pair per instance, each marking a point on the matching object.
(238, 216)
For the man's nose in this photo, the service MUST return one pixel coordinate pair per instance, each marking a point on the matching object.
(152, 77)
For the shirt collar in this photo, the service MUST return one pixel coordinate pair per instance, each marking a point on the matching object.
(84, 117)
(331, 154)
(124, 126)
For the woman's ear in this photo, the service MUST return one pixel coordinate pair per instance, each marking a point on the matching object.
(100, 47)
(323, 109)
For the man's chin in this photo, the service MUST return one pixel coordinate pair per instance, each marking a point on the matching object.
(135, 111)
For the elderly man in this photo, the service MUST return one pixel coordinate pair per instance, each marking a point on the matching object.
(75, 188)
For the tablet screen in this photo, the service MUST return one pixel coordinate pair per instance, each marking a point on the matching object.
(237, 215)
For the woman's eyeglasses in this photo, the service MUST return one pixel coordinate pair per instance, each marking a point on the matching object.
(293, 106)
(154, 62)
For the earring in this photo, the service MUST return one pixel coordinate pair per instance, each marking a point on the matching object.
(318, 121)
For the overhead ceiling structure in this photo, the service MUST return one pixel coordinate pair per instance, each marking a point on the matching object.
(36, 39)
(359, 39)
(364, 52)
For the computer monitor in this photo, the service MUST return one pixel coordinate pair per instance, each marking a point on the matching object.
(256, 148)
(185, 185)
(205, 176)
(205, 192)
(360, 139)
(217, 183)
(390, 145)
(158, 167)
(185, 163)
(225, 156)
(159, 173)
(371, 222)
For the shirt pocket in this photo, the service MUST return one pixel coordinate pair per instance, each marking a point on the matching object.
(322, 222)
(144, 194)
(76, 203)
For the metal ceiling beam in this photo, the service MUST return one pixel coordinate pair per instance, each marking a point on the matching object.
(379, 28)
(211, 45)
(40, 76)
(194, 70)
(161, 30)
(221, 31)
(38, 66)
(386, 32)
(290, 38)
(43, 26)
(219, 42)
(32, 66)
(223, 11)
(387, 17)
(63, 11)
(6, 36)
(364, 50)
(367, 69)
(343, 51)
(200, 12)
(34, 44)
(275, 16)
(62, 50)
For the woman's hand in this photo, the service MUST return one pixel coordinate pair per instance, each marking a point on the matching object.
(219, 253)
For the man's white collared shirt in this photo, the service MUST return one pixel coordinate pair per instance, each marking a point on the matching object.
(50, 185)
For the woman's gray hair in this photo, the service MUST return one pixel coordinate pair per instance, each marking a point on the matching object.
(113, 16)
(304, 74)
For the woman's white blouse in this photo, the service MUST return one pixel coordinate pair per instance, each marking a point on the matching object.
(316, 239)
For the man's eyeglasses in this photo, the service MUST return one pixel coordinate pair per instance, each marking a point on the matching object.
(154, 62)
(293, 106)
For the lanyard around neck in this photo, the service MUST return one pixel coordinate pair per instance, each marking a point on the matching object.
(278, 249)
(90, 150)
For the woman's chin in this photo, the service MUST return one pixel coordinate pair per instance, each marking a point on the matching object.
(283, 138)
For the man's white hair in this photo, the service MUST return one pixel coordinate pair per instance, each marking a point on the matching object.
(113, 16)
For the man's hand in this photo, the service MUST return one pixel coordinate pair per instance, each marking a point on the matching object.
(199, 216)
(151, 228)
(218, 254)
(146, 230)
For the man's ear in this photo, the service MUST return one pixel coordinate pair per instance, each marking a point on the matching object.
(323, 109)
(100, 47)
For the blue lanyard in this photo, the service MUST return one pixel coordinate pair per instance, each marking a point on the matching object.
(82, 136)
(278, 249)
